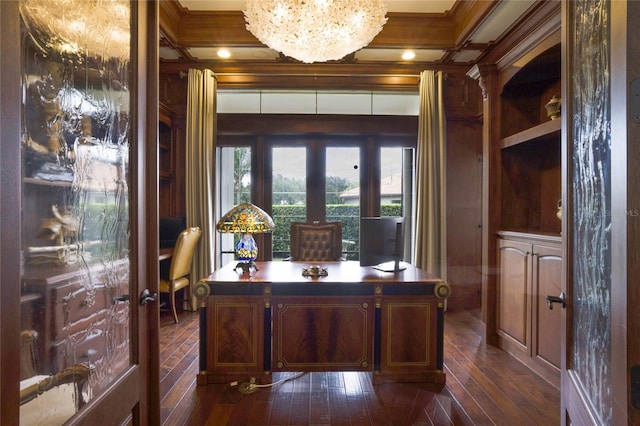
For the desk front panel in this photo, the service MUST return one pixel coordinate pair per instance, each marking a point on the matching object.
(322, 333)
(408, 336)
(235, 336)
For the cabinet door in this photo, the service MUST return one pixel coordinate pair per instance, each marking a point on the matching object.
(547, 274)
(514, 288)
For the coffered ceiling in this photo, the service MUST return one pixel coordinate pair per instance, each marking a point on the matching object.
(444, 34)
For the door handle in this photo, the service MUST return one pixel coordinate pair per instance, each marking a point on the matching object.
(147, 297)
(557, 299)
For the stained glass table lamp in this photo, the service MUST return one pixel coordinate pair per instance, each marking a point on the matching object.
(246, 219)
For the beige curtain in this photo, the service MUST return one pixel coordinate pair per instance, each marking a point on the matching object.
(200, 170)
(430, 228)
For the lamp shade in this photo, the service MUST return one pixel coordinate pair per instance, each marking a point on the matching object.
(245, 219)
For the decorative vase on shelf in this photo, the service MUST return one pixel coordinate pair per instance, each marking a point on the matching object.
(553, 107)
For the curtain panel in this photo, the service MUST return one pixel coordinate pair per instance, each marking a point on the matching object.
(429, 237)
(200, 171)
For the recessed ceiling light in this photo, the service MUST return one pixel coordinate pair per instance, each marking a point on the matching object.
(224, 53)
(407, 55)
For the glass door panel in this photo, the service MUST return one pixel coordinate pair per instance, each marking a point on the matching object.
(342, 195)
(289, 192)
(75, 214)
(396, 183)
(234, 188)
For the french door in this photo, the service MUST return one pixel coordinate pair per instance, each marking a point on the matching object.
(77, 245)
(309, 178)
(600, 352)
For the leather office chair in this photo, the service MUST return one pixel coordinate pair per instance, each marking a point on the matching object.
(179, 275)
(316, 241)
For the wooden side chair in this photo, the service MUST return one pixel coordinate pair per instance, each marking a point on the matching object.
(179, 275)
(316, 241)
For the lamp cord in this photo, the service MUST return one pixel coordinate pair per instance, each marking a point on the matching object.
(246, 388)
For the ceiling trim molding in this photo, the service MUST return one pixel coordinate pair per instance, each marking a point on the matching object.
(469, 15)
(539, 23)
(169, 17)
(228, 28)
(355, 76)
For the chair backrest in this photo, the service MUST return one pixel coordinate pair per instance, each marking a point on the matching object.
(316, 241)
(183, 252)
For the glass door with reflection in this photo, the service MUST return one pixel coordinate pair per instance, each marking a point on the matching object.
(289, 195)
(76, 199)
(342, 195)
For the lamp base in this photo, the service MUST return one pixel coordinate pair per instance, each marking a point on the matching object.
(247, 266)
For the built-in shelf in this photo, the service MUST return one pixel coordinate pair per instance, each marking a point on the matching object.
(542, 130)
(532, 236)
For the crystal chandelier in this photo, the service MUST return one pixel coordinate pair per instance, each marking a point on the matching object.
(315, 30)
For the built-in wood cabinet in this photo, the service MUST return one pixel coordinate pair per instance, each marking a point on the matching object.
(529, 238)
(529, 269)
(522, 224)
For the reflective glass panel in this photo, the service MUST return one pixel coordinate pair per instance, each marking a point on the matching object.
(75, 201)
(591, 193)
(289, 189)
(342, 195)
(234, 188)
(396, 183)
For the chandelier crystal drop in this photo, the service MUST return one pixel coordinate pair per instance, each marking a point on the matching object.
(315, 30)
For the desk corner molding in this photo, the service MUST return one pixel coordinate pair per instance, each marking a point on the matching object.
(442, 290)
(202, 290)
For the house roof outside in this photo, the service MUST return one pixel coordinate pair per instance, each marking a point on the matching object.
(390, 186)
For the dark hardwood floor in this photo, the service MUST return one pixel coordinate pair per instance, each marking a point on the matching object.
(485, 386)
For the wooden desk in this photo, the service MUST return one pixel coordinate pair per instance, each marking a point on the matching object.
(355, 319)
(165, 253)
